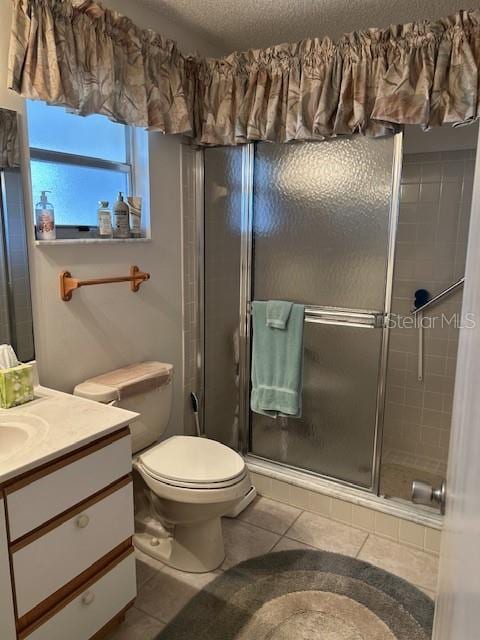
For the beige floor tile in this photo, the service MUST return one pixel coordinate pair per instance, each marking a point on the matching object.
(286, 544)
(269, 514)
(137, 626)
(164, 595)
(147, 567)
(326, 534)
(244, 541)
(413, 565)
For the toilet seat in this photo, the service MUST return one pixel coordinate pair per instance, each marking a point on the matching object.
(193, 463)
(192, 485)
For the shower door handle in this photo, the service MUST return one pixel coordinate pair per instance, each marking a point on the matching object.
(424, 493)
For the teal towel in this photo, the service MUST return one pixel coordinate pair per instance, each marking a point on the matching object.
(277, 364)
(278, 312)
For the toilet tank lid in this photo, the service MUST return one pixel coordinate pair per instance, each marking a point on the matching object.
(131, 380)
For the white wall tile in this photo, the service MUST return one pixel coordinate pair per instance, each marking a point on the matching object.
(363, 517)
(432, 540)
(411, 533)
(341, 510)
(320, 503)
(434, 214)
(279, 490)
(386, 525)
(261, 483)
(299, 497)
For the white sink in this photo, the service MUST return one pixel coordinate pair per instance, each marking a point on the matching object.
(11, 439)
(19, 432)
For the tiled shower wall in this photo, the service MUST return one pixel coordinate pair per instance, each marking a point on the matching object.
(430, 254)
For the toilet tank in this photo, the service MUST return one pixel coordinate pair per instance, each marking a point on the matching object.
(143, 387)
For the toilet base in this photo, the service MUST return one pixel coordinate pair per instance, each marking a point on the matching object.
(195, 549)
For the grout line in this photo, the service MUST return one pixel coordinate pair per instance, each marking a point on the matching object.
(306, 544)
(259, 526)
(274, 544)
(150, 615)
(298, 516)
(362, 545)
(284, 535)
(145, 582)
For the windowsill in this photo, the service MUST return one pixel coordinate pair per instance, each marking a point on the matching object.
(70, 241)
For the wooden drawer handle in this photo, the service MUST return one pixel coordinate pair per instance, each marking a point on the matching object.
(88, 597)
(82, 521)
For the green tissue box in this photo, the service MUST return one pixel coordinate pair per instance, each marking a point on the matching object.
(16, 386)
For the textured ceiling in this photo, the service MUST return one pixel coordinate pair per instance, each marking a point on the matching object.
(243, 24)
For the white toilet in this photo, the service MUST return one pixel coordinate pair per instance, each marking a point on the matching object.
(192, 482)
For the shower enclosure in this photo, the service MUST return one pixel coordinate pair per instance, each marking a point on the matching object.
(315, 224)
(351, 228)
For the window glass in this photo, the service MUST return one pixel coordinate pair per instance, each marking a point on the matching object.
(55, 129)
(75, 189)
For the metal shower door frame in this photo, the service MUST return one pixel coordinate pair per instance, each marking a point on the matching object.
(6, 267)
(246, 271)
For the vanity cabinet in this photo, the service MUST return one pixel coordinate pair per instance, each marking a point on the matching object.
(7, 613)
(66, 547)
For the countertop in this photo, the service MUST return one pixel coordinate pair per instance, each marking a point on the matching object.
(58, 423)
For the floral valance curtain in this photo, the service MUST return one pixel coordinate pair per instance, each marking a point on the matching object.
(92, 60)
(423, 73)
(89, 59)
(9, 142)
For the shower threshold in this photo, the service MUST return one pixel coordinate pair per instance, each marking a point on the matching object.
(293, 478)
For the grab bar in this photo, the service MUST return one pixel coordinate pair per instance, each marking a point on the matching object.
(439, 296)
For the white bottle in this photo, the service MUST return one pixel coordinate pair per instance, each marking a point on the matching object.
(135, 208)
(121, 215)
(45, 219)
(104, 220)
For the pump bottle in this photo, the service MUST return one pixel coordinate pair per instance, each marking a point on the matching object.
(45, 218)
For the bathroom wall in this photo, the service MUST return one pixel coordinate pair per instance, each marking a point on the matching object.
(430, 254)
(108, 326)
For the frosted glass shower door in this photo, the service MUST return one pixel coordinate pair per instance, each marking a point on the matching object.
(222, 245)
(321, 230)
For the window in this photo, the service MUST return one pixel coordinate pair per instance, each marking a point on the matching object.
(80, 160)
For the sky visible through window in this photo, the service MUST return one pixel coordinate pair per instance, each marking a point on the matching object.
(75, 189)
(55, 129)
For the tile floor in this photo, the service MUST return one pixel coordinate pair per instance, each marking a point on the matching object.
(266, 526)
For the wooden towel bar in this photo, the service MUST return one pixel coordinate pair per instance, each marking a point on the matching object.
(69, 284)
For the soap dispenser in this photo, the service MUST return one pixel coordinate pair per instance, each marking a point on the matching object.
(45, 218)
(121, 218)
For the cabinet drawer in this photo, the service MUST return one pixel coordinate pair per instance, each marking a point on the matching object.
(93, 608)
(43, 565)
(45, 494)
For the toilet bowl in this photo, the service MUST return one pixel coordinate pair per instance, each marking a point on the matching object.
(196, 481)
(182, 485)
